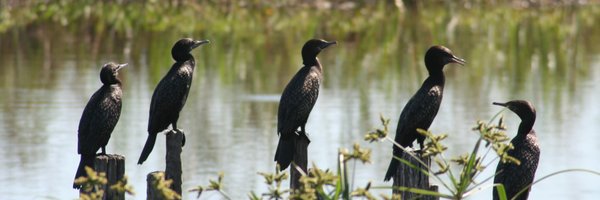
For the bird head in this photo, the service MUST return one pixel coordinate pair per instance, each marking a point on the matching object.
(524, 109)
(312, 48)
(181, 49)
(438, 56)
(109, 72)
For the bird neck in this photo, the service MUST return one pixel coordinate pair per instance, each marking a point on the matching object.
(435, 71)
(525, 127)
(190, 60)
(110, 80)
(437, 77)
(116, 81)
(311, 61)
(183, 57)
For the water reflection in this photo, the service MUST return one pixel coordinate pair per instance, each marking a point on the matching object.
(545, 55)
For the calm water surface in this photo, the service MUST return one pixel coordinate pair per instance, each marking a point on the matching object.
(230, 121)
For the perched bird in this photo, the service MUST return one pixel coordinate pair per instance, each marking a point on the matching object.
(171, 93)
(297, 101)
(526, 149)
(422, 108)
(99, 118)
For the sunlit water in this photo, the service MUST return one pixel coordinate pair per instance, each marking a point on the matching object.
(231, 126)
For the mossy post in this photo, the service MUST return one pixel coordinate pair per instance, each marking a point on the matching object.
(151, 192)
(114, 167)
(300, 160)
(407, 176)
(175, 141)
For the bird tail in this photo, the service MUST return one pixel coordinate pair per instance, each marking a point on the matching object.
(86, 160)
(147, 148)
(285, 151)
(391, 169)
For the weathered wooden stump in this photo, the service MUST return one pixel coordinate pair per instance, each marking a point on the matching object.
(173, 157)
(173, 165)
(300, 160)
(406, 176)
(114, 167)
(151, 193)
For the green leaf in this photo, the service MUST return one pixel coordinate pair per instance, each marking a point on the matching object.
(501, 191)
(422, 192)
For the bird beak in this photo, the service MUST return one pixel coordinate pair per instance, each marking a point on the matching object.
(499, 104)
(457, 60)
(121, 66)
(327, 44)
(197, 43)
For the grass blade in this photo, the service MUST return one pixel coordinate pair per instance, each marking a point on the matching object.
(501, 191)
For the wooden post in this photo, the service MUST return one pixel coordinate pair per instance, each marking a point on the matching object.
(173, 157)
(300, 160)
(408, 177)
(114, 167)
(173, 165)
(151, 193)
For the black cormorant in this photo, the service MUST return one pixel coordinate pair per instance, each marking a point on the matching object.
(297, 101)
(516, 177)
(99, 118)
(422, 108)
(171, 93)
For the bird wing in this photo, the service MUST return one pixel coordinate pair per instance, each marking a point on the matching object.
(169, 97)
(516, 177)
(98, 120)
(87, 117)
(298, 99)
(510, 175)
(419, 112)
(157, 113)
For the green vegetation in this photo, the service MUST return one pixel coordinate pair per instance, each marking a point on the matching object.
(256, 43)
(93, 185)
(318, 183)
(163, 187)
(325, 184)
(256, 47)
(460, 185)
(212, 186)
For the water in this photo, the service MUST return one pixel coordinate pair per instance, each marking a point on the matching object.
(547, 57)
